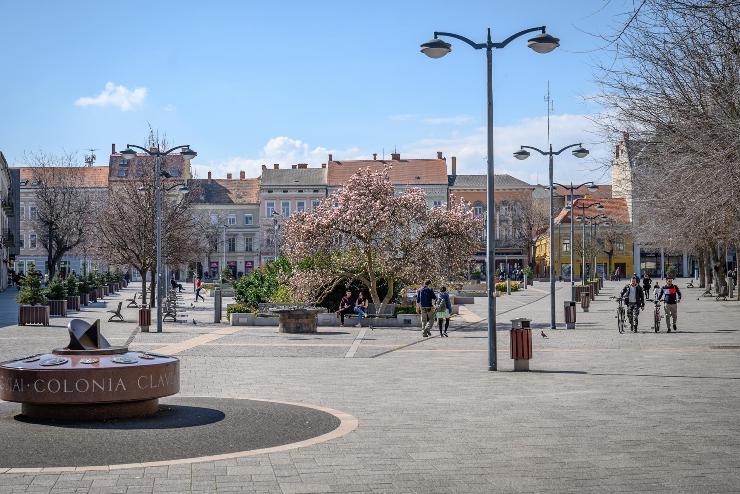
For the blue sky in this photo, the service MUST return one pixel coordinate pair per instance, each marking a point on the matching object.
(247, 83)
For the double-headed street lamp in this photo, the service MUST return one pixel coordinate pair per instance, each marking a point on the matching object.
(130, 153)
(523, 154)
(582, 217)
(437, 48)
(568, 207)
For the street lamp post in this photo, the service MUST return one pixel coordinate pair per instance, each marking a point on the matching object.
(569, 207)
(437, 48)
(523, 154)
(130, 153)
(276, 227)
(583, 219)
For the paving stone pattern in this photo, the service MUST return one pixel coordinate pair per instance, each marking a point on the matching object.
(600, 412)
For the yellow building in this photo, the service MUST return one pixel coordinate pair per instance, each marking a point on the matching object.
(607, 240)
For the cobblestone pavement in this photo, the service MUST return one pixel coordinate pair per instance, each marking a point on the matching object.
(600, 411)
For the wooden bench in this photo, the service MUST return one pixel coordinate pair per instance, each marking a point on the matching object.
(170, 307)
(132, 303)
(116, 313)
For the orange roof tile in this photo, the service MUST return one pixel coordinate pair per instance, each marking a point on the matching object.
(402, 172)
(614, 209)
(83, 176)
(603, 192)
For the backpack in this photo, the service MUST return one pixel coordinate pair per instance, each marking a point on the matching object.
(441, 304)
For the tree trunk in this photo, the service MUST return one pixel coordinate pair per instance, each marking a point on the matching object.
(708, 269)
(391, 288)
(153, 291)
(49, 254)
(702, 273)
(718, 269)
(143, 287)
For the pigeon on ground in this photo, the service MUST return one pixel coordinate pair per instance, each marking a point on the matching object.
(194, 323)
(543, 334)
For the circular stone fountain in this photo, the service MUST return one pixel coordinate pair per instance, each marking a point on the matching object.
(297, 319)
(89, 379)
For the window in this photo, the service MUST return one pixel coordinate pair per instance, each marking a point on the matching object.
(23, 212)
(566, 245)
(300, 206)
(437, 204)
(315, 203)
(122, 172)
(248, 244)
(174, 173)
(619, 245)
(231, 244)
(270, 208)
(123, 162)
(478, 209)
(248, 220)
(214, 219)
(231, 220)
(33, 213)
(22, 241)
(32, 241)
(285, 208)
(316, 191)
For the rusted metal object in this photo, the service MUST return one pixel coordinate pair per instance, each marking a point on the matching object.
(89, 379)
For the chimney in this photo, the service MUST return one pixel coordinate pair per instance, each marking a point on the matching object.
(375, 156)
(276, 166)
(330, 157)
(439, 155)
(113, 148)
(302, 166)
(209, 175)
(228, 176)
(396, 156)
(242, 175)
(454, 166)
(294, 167)
(264, 167)
(323, 165)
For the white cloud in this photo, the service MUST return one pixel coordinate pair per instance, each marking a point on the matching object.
(112, 95)
(453, 120)
(282, 150)
(170, 108)
(403, 117)
(470, 149)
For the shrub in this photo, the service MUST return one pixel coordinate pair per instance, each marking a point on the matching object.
(70, 285)
(226, 275)
(282, 296)
(56, 290)
(83, 286)
(31, 293)
(405, 309)
(501, 286)
(262, 284)
(236, 308)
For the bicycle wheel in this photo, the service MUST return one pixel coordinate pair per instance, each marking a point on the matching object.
(620, 320)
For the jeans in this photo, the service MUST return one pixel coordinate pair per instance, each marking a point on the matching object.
(198, 295)
(360, 311)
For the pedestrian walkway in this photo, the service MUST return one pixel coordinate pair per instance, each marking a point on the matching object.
(600, 411)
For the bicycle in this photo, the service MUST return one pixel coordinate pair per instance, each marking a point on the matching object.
(658, 316)
(620, 314)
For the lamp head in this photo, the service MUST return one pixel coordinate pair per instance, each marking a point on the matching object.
(436, 48)
(128, 153)
(543, 43)
(599, 206)
(188, 153)
(593, 187)
(580, 152)
(522, 154)
(568, 207)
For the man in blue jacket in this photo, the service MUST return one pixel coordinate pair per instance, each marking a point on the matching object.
(425, 305)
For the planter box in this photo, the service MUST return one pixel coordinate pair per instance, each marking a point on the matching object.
(84, 298)
(73, 302)
(33, 314)
(58, 308)
(93, 295)
(105, 292)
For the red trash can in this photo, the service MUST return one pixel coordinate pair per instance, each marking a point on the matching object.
(145, 319)
(520, 339)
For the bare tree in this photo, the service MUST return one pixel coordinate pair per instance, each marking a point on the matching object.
(63, 205)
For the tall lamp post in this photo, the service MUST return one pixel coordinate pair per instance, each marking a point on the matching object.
(596, 221)
(130, 153)
(582, 217)
(437, 48)
(523, 154)
(569, 207)
(276, 226)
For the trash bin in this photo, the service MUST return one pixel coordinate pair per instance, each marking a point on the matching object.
(145, 318)
(521, 343)
(585, 301)
(570, 312)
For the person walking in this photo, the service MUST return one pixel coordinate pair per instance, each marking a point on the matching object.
(346, 306)
(198, 288)
(443, 309)
(671, 296)
(360, 308)
(425, 306)
(646, 283)
(635, 300)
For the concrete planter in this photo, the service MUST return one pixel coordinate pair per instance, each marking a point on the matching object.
(105, 291)
(33, 314)
(73, 302)
(84, 298)
(58, 308)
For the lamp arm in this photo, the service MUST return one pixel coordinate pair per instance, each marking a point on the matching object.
(567, 147)
(477, 46)
(511, 38)
(584, 183)
(175, 149)
(545, 153)
(139, 147)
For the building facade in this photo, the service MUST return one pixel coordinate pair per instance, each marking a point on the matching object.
(9, 226)
(230, 210)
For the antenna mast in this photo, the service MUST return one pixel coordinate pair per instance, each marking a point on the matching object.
(90, 158)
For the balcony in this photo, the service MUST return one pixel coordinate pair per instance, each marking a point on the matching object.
(8, 239)
(8, 207)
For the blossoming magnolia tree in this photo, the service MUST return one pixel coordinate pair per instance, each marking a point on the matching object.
(367, 232)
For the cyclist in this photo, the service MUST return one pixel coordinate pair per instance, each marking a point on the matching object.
(634, 297)
(670, 295)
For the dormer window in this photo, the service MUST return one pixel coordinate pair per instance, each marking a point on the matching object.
(36, 182)
(24, 182)
(123, 162)
(121, 173)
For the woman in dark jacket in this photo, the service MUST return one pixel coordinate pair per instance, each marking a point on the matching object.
(443, 310)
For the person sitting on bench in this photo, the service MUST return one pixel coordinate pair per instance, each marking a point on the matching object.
(175, 284)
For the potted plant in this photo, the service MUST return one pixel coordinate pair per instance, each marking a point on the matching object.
(93, 287)
(118, 280)
(83, 287)
(32, 302)
(73, 293)
(56, 296)
(529, 273)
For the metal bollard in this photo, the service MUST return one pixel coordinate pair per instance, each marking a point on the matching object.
(216, 305)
